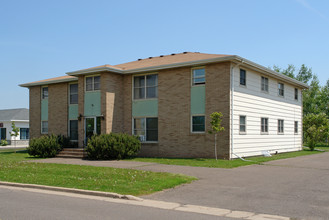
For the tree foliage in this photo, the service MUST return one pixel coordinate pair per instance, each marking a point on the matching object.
(316, 128)
(216, 126)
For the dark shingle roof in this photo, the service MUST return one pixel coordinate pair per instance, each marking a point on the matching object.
(14, 114)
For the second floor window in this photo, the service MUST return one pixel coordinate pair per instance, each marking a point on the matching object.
(264, 84)
(73, 93)
(280, 89)
(93, 83)
(243, 77)
(44, 92)
(296, 94)
(199, 76)
(146, 87)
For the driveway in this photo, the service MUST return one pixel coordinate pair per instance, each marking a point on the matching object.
(295, 187)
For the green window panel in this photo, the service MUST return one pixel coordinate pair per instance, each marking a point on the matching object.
(92, 105)
(198, 100)
(142, 108)
(44, 110)
(73, 112)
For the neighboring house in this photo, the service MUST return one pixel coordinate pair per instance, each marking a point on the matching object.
(167, 101)
(20, 117)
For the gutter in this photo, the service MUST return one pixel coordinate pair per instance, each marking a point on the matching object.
(48, 82)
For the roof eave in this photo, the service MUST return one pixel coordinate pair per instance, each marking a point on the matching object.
(48, 82)
(94, 70)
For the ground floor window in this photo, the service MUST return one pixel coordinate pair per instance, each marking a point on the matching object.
(242, 124)
(3, 133)
(44, 127)
(280, 126)
(24, 133)
(73, 130)
(146, 129)
(296, 127)
(264, 125)
(198, 123)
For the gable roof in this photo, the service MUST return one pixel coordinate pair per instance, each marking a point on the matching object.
(166, 62)
(19, 114)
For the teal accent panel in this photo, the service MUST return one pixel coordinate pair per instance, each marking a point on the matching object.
(92, 103)
(73, 112)
(198, 100)
(44, 110)
(141, 108)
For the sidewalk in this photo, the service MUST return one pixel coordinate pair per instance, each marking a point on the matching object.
(13, 147)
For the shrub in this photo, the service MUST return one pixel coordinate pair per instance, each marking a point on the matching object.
(45, 146)
(3, 143)
(112, 146)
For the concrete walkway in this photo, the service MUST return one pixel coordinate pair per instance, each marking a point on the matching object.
(13, 147)
(296, 187)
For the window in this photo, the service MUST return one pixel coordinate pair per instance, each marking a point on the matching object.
(73, 130)
(44, 127)
(44, 92)
(199, 76)
(280, 126)
(296, 94)
(73, 93)
(146, 87)
(280, 89)
(3, 133)
(264, 125)
(198, 123)
(93, 83)
(146, 129)
(264, 84)
(24, 133)
(242, 77)
(242, 124)
(296, 127)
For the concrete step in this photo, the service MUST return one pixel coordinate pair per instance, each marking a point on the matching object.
(72, 153)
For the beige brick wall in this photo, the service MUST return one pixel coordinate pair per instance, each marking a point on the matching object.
(112, 102)
(35, 111)
(175, 137)
(127, 102)
(81, 134)
(58, 109)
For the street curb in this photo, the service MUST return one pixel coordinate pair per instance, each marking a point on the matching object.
(70, 190)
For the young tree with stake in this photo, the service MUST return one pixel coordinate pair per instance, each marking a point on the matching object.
(216, 127)
(14, 132)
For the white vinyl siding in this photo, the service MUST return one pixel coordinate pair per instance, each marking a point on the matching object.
(254, 104)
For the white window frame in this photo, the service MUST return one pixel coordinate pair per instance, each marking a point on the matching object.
(44, 132)
(280, 83)
(296, 94)
(145, 129)
(265, 125)
(245, 83)
(198, 132)
(192, 78)
(262, 83)
(70, 93)
(145, 86)
(245, 124)
(279, 126)
(296, 127)
(42, 92)
(93, 83)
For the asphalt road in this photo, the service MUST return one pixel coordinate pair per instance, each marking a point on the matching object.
(296, 187)
(20, 205)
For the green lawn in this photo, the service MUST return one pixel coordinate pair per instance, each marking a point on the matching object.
(199, 162)
(15, 168)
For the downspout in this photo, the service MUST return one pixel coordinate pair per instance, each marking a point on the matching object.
(232, 106)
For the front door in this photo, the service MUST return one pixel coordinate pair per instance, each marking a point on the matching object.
(92, 126)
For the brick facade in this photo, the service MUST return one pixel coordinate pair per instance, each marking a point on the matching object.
(81, 92)
(35, 111)
(58, 109)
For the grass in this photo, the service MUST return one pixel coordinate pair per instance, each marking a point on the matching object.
(199, 162)
(14, 167)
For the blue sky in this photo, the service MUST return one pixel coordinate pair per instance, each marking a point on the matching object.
(44, 39)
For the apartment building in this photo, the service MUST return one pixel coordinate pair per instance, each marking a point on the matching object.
(167, 101)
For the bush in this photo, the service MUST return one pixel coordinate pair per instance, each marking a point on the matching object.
(45, 146)
(3, 143)
(112, 146)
